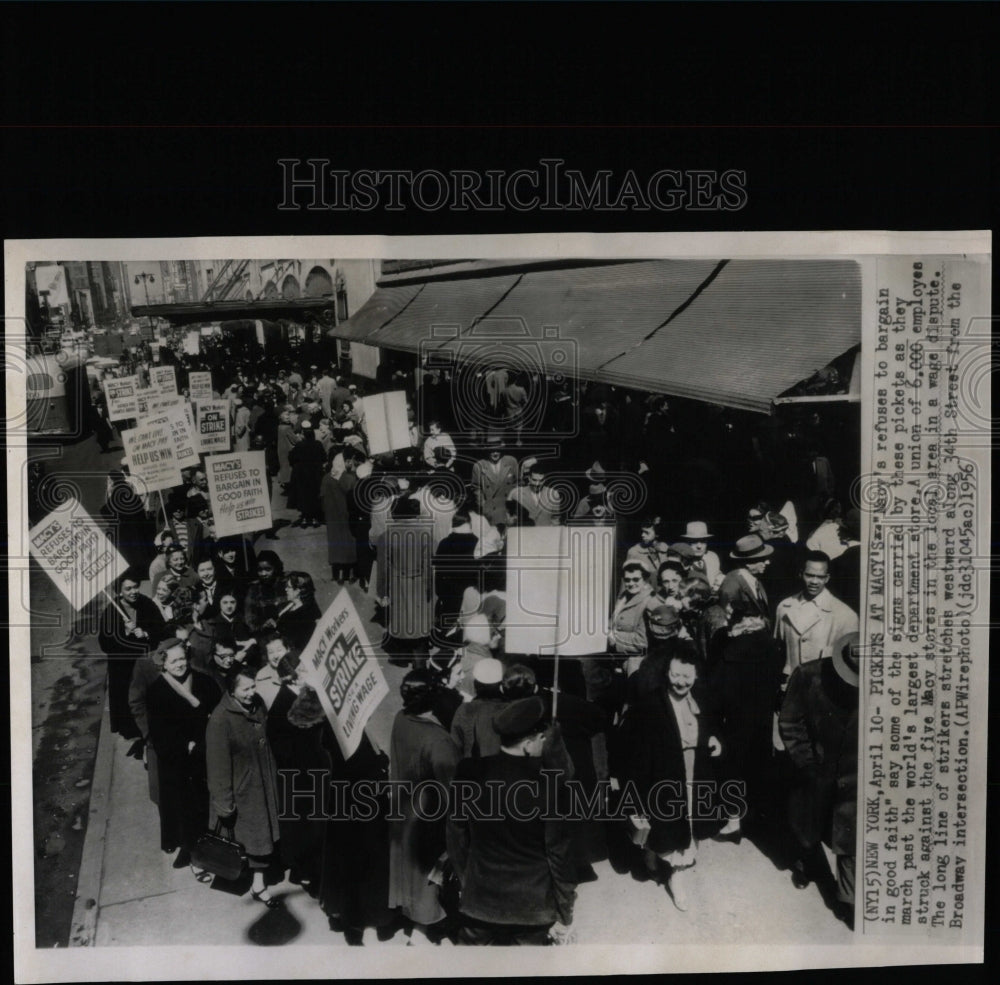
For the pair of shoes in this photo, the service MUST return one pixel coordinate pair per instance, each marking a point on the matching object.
(270, 902)
(183, 859)
(316, 523)
(736, 837)
(585, 873)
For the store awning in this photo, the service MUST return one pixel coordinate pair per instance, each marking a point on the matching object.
(737, 333)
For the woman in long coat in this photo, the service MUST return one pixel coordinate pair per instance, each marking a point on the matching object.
(298, 750)
(178, 706)
(747, 663)
(242, 775)
(421, 749)
(669, 741)
(354, 861)
(308, 462)
(287, 439)
(341, 547)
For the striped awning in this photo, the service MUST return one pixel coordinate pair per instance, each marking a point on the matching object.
(737, 333)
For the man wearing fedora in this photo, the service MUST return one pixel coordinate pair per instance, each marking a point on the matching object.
(810, 622)
(705, 562)
(818, 724)
(743, 583)
(594, 505)
(493, 478)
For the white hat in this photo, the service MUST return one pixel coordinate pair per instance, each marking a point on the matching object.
(488, 671)
(306, 424)
(696, 530)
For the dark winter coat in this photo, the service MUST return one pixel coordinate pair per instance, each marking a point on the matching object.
(653, 754)
(341, 548)
(307, 460)
(744, 686)
(242, 776)
(354, 863)
(512, 871)
(818, 723)
(173, 724)
(421, 750)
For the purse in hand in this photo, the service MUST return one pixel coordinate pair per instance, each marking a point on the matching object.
(638, 830)
(219, 855)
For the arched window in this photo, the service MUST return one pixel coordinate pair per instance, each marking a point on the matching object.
(318, 283)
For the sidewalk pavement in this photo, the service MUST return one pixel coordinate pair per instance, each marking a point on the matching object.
(129, 894)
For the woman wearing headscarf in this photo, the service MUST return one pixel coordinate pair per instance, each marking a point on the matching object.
(421, 749)
(308, 461)
(178, 706)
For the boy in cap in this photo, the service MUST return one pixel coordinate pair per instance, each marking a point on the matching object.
(515, 865)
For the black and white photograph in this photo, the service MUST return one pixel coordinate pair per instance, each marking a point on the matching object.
(393, 602)
(487, 476)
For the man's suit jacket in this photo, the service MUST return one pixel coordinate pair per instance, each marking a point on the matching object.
(511, 871)
(628, 623)
(492, 486)
(736, 588)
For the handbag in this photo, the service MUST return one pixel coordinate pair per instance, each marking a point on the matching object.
(219, 855)
(638, 831)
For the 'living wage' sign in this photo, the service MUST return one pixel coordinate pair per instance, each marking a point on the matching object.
(237, 488)
(340, 665)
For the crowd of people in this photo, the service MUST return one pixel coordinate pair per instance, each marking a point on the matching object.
(730, 674)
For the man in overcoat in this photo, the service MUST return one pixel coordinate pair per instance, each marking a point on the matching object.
(493, 478)
(515, 866)
(818, 724)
